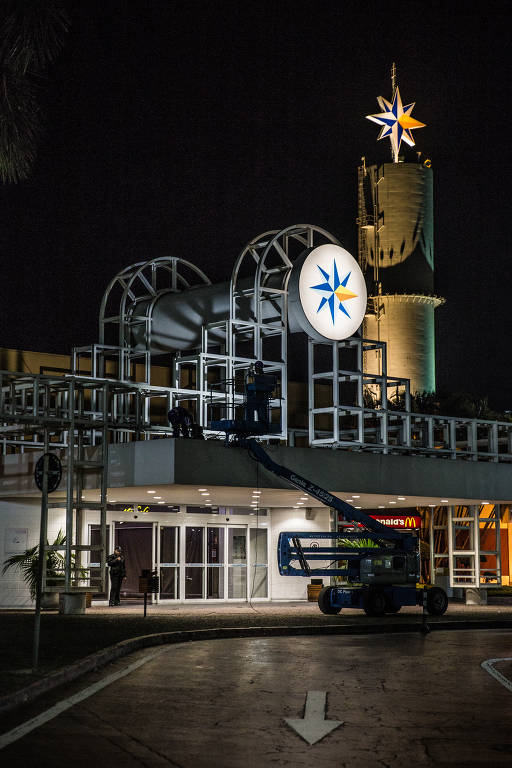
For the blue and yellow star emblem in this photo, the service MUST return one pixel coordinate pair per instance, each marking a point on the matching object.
(336, 290)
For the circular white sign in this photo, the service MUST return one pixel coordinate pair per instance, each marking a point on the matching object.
(332, 292)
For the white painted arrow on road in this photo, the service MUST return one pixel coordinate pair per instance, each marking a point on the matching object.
(314, 726)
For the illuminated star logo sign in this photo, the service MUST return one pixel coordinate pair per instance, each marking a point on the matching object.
(396, 122)
(336, 290)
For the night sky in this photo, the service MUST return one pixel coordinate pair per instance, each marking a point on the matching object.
(187, 128)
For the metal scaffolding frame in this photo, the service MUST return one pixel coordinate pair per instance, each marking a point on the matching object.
(374, 411)
(79, 417)
(465, 545)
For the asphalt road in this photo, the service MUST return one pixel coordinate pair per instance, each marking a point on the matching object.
(403, 699)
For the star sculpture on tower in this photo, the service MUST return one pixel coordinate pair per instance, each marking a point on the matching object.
(396, 122)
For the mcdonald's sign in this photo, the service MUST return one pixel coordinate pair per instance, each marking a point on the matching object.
(399, 521)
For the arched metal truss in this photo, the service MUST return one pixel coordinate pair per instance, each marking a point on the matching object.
(128, 302)
(134, 292)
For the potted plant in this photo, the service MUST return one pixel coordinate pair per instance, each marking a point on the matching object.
(360, 543)
(314, 589)
(28, 564)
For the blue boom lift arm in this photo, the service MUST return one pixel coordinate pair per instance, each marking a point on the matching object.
(384, 540)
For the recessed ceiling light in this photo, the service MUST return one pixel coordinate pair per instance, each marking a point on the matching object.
(151, 491)
(431, 505)
(485, 502)
(161, 502)
(304, 497)
(256, 493)
(354, 496)
(202, 489)
(392, 502)
(381, 506)
(157, 497)
(401, 498)
(444, 501)
(205, 493)
(357, 507)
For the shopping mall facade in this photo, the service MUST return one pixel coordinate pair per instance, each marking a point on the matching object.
(201, 512)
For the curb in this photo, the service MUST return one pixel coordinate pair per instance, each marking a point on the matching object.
(101, 658)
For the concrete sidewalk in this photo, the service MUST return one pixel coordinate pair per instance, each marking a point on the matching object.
(72, 645)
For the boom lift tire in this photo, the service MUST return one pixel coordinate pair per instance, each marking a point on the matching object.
(437, 601)
(374, 603)
(324, 602)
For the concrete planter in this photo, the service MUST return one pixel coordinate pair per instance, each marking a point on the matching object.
(50, 601)
(72, 603)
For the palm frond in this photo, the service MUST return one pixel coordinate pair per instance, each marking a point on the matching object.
(361, 543)
(28, 564)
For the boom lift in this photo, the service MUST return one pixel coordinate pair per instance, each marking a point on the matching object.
(380, 569)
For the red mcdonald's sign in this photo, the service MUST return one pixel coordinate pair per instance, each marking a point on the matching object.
(399, 521)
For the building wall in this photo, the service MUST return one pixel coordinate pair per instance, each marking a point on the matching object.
(20, 520)
(16, 518)
(292, 587)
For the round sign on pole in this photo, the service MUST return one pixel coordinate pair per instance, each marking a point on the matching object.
(327, 294)
(54, 472)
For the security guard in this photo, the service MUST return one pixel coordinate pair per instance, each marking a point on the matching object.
(117, 567)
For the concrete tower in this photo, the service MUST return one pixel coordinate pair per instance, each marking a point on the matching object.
(396, 253)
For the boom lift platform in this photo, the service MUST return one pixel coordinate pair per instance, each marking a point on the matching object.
(380, 570)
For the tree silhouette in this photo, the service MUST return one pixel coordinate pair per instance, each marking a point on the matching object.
(31, 35)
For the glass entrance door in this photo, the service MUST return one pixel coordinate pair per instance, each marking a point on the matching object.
(205, 561)
(209, 562)
(215, 558)
(214, 571)
(169, 555)
(194, 562)
(237, 563)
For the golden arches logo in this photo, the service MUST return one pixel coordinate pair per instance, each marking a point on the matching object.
(410, 522)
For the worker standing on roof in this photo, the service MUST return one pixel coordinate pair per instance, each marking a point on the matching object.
(180, 421)
(259, 387)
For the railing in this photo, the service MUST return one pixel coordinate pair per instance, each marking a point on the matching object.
(402, 432)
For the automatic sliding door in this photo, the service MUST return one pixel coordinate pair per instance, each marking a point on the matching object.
(237, 563)
(169, 562)
(194, 563)
(215, 563)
